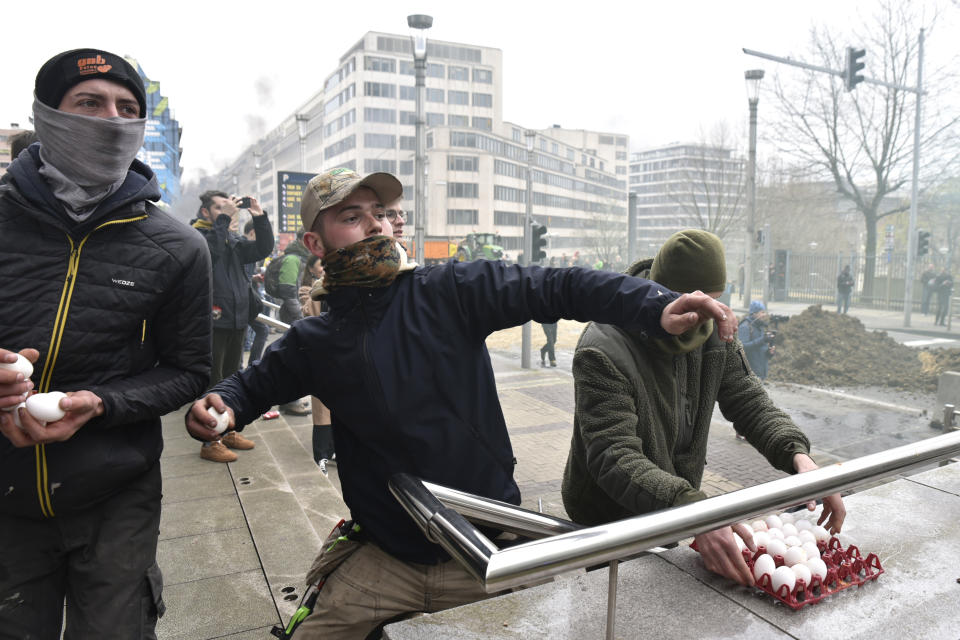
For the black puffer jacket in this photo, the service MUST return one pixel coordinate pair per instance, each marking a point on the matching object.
(118, 305)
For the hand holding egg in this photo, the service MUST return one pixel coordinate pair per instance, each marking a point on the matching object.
(15, 375)
(223, 419)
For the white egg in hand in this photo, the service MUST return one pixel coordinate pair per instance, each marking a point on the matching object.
(763, 564)
(22, 365)
(783, 576)
(45, 407)
(802, 572)
(15, 412)
(223, 419)
(795, 555)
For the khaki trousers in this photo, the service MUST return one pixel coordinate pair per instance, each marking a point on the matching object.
(371, 587)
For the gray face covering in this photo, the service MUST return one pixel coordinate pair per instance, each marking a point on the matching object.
(85, 159)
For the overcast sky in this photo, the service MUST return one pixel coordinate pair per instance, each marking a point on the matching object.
(657, 71)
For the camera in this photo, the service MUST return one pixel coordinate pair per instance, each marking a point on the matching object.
(244, 203)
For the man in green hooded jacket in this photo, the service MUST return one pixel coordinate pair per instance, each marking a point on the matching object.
(644, 406)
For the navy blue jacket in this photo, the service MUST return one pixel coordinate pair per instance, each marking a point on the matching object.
(405, 372)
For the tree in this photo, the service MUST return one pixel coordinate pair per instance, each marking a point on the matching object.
(863, 140)
(709, 187)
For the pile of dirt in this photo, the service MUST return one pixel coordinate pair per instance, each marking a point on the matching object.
(823, 348)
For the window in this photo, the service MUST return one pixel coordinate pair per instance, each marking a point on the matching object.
(504, 168)
(483, 75)
(374, 63)
(509, 194)
(372, 114)
(507, 219)
(435, 70)
(555, 148)
(337, 148)
(406, 169)
(379, 140)
(606, 140)
(380, 89)
(373, 165)
(458, 97)
(463, 163)
(463, 190)
(407, 68)
(408, 117)
(434, 95)
(339, 123)
(434, 119)
(482, 100)
(458, 73)
(340, 99)
(458, 121)
(462, 216)
(621, 155)
(408, 93)
(483, 123)
(408, 143)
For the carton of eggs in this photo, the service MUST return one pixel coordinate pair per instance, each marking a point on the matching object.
(223, 419)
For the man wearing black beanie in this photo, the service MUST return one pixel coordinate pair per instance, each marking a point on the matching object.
(109, 298)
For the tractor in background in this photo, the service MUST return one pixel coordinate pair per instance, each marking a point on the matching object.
(477, 246)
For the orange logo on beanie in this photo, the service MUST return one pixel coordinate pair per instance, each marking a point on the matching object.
(86, 66)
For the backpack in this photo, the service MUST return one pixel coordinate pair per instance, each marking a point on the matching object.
(271, 277)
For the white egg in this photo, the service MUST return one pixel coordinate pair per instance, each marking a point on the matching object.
(807, 536)
(773, 521)
(821, 534)
(776, 547)
(818, 568)
(787, 517)
(45, 407)
(792, 541)
(761, 538)
(802, 524)
(783, 576)
(22, 365)
(795, 555)
(802, 572)
(763, 564)
(223, 419)
(16, 413)
(758, 525)
(811, 549)
(776, 533)
(789, 530)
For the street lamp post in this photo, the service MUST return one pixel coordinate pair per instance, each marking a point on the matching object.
(302, 120)
(420, 23)
(527, 244)
(753, 78)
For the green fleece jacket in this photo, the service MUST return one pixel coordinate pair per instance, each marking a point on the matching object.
(642, 419)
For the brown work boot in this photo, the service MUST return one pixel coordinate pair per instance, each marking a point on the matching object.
(236, 441)
(216, 452)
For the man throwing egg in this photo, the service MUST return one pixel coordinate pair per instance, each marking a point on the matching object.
(644, 405)
(109, 298)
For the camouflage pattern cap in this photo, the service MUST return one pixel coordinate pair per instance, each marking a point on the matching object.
(335, 186)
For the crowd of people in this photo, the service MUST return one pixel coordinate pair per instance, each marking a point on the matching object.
(134, 315)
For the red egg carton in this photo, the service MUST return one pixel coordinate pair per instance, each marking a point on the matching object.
(846, 567)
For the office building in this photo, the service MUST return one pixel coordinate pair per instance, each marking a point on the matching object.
(161, 143)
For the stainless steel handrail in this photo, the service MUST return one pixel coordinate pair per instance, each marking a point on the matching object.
(272, 322)
(533, 561)
(270, 305)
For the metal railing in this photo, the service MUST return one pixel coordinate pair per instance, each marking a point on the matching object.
(530, 562)
(270, 321)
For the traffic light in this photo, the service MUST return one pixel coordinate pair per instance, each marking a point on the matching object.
(851, 72)
(923, 242)
(538, 242)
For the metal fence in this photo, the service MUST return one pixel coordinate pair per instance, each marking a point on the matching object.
(812, 278)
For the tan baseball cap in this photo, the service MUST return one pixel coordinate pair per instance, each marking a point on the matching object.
(336, 185)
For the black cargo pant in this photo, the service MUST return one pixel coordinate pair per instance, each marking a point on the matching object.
(102, 561)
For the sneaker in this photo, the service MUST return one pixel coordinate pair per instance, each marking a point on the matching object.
(297, 408)
(323, 466)
(216, 452)
(236, 441)
(553, 363)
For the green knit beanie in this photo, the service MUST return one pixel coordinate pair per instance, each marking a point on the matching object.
(691, 260)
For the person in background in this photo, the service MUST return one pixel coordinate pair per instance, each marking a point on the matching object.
(257, 332)
(20, 141)
(943, 284)
(644, 404)
(844, 289)
(324, 451)
(397, 218)
(401, 361)
(926, 280)
(109, 297)
(550, 331)
(753, 335)
(294, 258)
(234, 302)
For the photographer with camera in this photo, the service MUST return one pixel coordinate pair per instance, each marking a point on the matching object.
(234, 302)
(757, 339)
